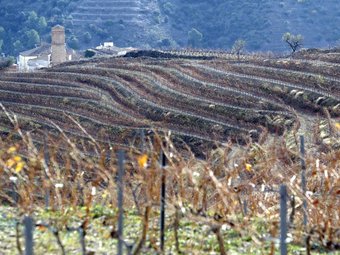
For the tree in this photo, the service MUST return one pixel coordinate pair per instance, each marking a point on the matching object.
(89, 54)
(238, 47)
(194, 37)
(17, 46)
(42, 24)
(2, 32)
(87, 37)
(32, 19)
(74, 42)
(293, 41)
(164, 43)
(168, 8)
(5, 62)
(33, 38)
(2, 35)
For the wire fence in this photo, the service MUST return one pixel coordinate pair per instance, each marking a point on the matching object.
(286, 203)
(123, 247)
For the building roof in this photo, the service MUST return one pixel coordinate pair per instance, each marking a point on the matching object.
(43, 49)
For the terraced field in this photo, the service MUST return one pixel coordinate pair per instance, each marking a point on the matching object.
(124, 22)
(90, 11)
(203, 98)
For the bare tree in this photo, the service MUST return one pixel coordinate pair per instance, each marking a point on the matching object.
(238, 47)
(293, 41)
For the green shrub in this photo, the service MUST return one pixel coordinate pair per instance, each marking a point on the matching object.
(89, 54)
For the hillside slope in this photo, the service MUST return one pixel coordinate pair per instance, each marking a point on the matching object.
(170, 23)
(24, 24)
(167, 23)
(260, 23)
(128, 22)
(203, 98)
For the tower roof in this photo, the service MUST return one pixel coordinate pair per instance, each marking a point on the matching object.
(58, 27)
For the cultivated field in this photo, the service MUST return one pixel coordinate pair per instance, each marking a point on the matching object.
(228, 127)
(214, 99)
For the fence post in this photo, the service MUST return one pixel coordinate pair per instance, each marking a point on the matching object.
(15, 195)
(292, 215)
(163, 192)
(108, 155)
(142, 138)
(28, 233)
(120, 200)
(303, 178)
(82, 240)
(46, 159)
(245, 207)
(283, 219)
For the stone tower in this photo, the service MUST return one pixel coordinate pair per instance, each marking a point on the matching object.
(58, 45)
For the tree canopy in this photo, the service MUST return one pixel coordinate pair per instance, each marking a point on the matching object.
(293, 41)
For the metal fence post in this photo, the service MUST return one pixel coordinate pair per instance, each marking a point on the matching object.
(28, 233)
(283, 219)
(163, 194)
(82, 240)
(303, 179)
(120, 200)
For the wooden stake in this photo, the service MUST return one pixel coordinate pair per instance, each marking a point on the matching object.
(303, 179)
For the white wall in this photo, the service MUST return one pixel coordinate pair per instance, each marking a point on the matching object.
(24, 66)
(23, 62)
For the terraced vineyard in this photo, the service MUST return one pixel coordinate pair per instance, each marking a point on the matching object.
(125, 22)
(90, 11)
(203, 98)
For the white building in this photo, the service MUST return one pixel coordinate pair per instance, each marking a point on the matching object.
(46, 54)
(35, 58)
(38, 57)
(109, 49)
(106, 45)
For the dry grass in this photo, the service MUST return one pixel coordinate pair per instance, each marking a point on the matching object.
(209, 192)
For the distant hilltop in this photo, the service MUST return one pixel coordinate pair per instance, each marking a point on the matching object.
(170, 24)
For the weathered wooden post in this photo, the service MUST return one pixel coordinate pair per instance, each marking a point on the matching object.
(142, 139)
(47, 162)
(245, 207)
(108, 155)
(303, 179)
(15, 195)
(120, 186)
